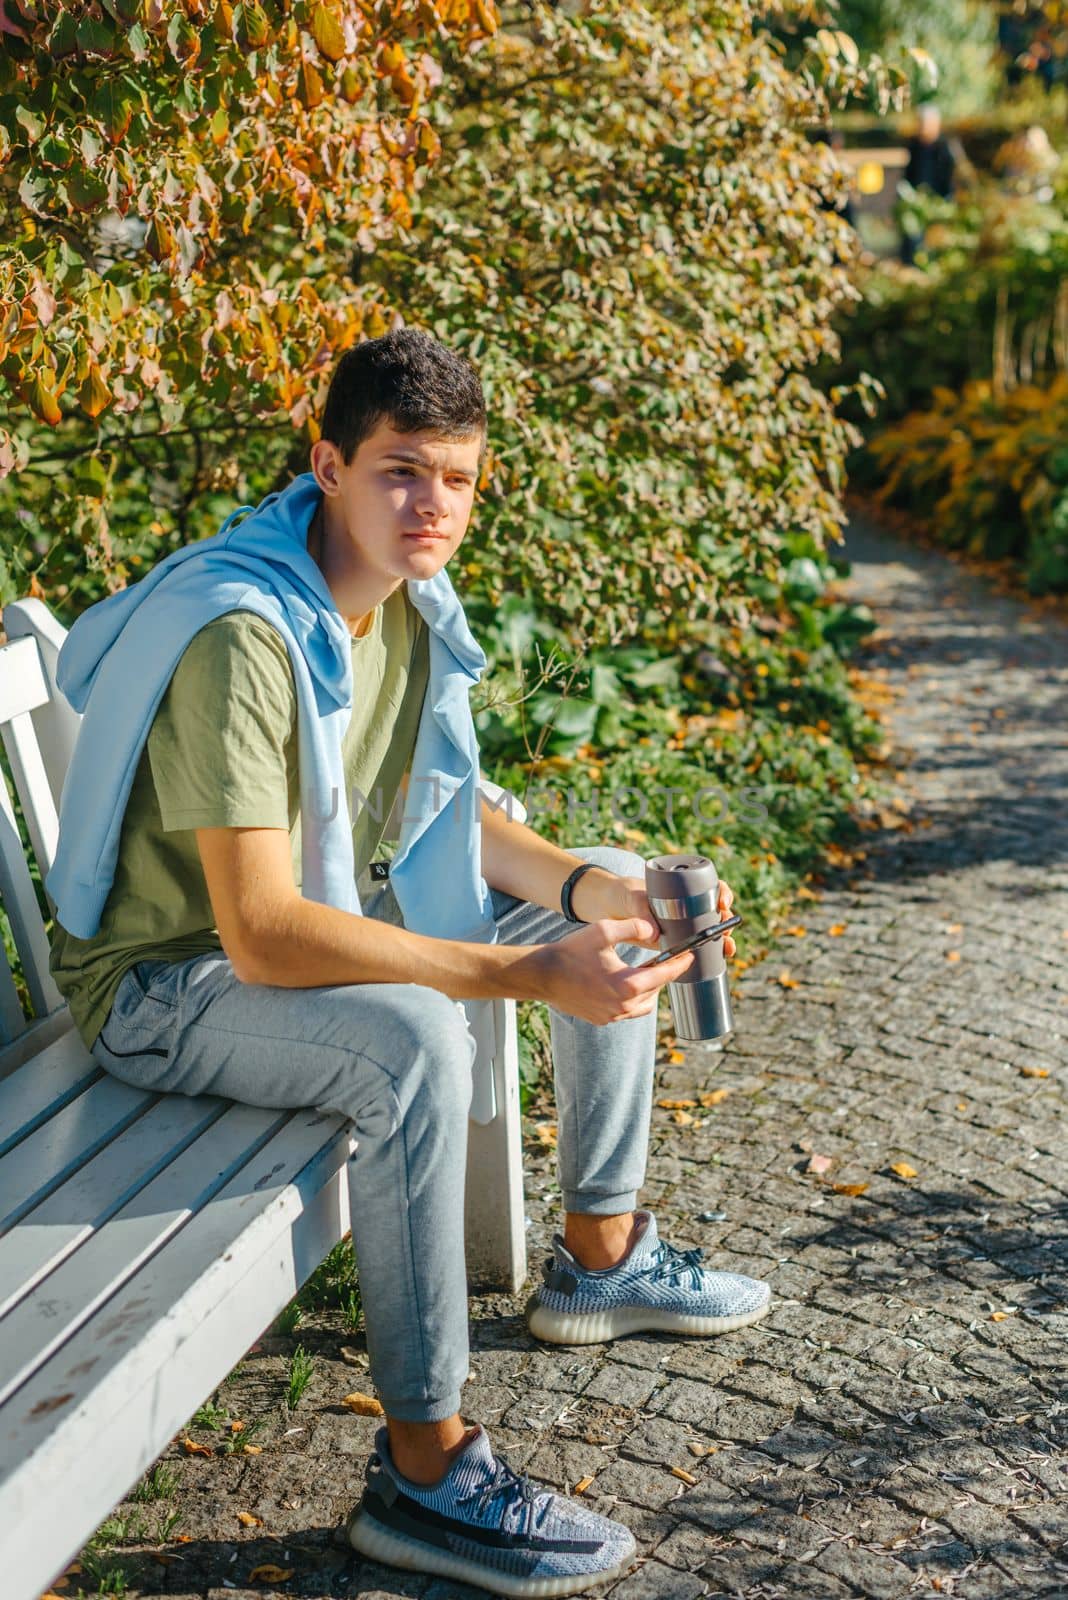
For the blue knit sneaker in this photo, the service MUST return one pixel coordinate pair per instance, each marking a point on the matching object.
(654, 1288)
(486, 1525)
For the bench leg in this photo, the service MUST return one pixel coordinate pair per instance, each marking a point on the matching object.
(494, 1223)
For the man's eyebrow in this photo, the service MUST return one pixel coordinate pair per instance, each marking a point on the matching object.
(420, 461)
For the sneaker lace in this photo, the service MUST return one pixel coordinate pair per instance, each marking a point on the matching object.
(517, 1490)
(669, 1265)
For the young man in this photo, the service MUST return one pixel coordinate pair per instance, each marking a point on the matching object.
(218, 931)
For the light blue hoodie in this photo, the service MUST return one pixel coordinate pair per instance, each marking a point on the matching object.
(118, 659)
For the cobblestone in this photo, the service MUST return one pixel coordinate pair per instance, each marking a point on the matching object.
(896, 1426)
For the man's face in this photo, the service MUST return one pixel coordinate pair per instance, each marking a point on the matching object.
(405, 498)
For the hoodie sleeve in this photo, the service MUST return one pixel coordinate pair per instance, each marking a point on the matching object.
(223, 743)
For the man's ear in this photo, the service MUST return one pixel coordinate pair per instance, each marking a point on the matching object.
(325, 462)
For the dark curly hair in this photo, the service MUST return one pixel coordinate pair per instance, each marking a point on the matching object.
(408, 379)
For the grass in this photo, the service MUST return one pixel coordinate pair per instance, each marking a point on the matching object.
(301, 1368)
(159, 1483)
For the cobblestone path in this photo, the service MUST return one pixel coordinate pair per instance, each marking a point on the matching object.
(896, 1425)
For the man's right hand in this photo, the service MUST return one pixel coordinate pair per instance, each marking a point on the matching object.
(584, 977)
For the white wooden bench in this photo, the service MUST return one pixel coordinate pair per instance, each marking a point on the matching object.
(146, 1241)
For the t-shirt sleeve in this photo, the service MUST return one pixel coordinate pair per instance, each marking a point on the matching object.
(222, 746)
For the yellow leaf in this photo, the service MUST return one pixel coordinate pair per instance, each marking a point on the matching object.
(237, 1427)
(545, 1133)
(952, 955)
(94, 396)
(797, 933)
(962, 1105)
(837, 929)
(249, 1520)
(270, 1574)
(676, 1058)
(676, 1105)
(849, 1188)
(327, 32)
(955, 927)
(1034, 1072)
(680, 1472)
(785, 981)
(364, 1405)
(714, 1097)
(998, 1316)
(903, 1170)
(251, 1450)
(683, 1118)
(191, 1448)
(582, 1485)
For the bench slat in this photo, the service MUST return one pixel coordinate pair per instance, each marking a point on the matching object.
(20, 903)
(38, 1326)
(31, 786)
(22, 681)
(36, 1090)
(12, 1021)
(135, 1374)
(60, 1223)
(54, 1151)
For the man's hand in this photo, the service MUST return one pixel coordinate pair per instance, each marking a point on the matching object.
(599, 894)
(584, 977)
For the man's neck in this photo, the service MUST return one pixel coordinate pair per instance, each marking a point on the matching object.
(354, 597)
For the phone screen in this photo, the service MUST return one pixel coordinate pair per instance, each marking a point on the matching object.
(692, 943)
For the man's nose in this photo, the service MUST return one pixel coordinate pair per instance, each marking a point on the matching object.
(431, 499)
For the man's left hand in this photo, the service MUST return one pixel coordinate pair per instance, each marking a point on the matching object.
(603, 894)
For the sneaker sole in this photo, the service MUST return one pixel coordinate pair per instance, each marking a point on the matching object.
(595, 1327)
(392, 1549)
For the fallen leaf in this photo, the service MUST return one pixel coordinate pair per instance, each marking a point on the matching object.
(998, 1316)
(702, 1449)
(1034, 1072)
(837, 929)
(952, 955)
(237, 1427)
(682, 1118)
(251, 1449)
(364, 1405)
(714, 1097)
(270, 1574)
(785, 981)
(797, 933)
(191, 1448)
(676, 1105)
(849, 1188)
(955, 927)
(354, 1358)
(903, 1170)
(819, 1164)
(962, 1105)
(545, 1132)
(582, 1485)
(249, 1520)
(680, 1472)
(676, 1057)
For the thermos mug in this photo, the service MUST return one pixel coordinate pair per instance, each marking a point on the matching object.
(683, 892)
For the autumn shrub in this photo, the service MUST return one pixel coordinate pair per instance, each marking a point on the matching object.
(988, 472)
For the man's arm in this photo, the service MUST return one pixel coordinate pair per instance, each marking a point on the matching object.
(520, 862)
(273, 935)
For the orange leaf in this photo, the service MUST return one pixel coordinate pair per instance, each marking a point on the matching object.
(837, 929)
(714, 1097)
(797, 933)
(785, 981)
(903, 1170)
(545, 1132)
(191, 1448)
(270, 1574)
(998, 1316)
(683, 1118)
(582, 1485)
(251, 1449)
(676, 1105)
(237, 1427)
(249, 1520)
(364, 1405)
(676, 1058)
(952, 955)
(849, 1188)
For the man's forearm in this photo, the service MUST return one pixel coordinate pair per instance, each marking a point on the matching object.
(305, 945)
(520, 862)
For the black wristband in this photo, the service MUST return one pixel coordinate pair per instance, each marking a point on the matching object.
(568, 890)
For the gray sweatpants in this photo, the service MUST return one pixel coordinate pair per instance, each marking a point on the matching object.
(397, 1060)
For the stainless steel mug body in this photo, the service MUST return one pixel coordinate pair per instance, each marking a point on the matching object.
(682, 893)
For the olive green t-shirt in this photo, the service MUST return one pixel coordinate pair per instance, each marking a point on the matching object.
(222, 752)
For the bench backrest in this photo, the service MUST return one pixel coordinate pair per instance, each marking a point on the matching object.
(38, 729)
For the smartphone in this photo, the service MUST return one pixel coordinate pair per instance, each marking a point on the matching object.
(692, 943)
